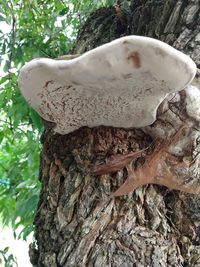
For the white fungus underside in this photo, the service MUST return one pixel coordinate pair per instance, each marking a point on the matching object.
(119, 84)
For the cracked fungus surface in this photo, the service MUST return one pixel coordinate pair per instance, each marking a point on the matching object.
(119, 84)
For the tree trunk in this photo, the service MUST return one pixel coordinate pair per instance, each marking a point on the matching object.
(77, 223)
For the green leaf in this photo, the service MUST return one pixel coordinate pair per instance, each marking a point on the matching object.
(1, 136)
(64, 11)
(2, 18)
(36, 119)
(3, 80)
(5, 250)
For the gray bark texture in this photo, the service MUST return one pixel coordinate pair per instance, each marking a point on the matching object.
(77, 223)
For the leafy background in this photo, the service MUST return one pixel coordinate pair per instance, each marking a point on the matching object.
(28, 29)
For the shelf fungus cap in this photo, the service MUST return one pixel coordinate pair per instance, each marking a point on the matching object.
(119, 84)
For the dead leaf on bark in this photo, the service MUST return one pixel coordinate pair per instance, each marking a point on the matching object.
(160, 168)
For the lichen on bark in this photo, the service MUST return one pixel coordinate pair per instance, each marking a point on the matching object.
(77, 223)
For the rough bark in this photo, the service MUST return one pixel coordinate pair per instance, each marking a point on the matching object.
(77, 223)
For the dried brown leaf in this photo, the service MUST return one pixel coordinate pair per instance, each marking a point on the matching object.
(116, 163)
(161, 168)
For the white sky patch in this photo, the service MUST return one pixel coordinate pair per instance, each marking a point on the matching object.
(2, 63)
(69, 32)
(18, 248)
(46, 39)
(69, 28)
(4, 27)
(58, 23)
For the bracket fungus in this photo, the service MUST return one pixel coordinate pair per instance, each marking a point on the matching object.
(119, 84)
(122, 84)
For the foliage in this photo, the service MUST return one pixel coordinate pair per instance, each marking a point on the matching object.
(7, 259)
(28, 29)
